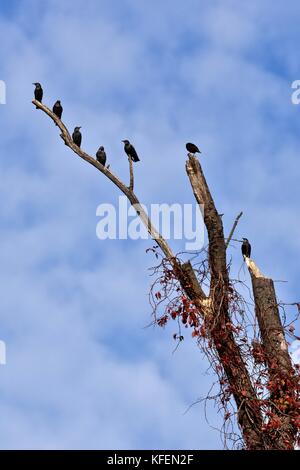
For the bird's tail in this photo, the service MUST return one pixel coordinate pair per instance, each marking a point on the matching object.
(136, 159)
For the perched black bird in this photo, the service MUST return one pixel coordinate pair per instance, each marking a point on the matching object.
(76, 136)
(130, 150)
(192, 148)
(101, 155)
(38, 92)
(246, 248)
(57, 109)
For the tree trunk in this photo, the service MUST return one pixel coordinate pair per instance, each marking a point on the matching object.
(220, 325)
(275, 351)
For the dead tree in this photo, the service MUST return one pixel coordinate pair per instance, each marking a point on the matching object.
(271, 421)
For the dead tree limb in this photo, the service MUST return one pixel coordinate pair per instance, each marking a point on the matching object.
(195, 286)
(183, 277)
(128, 192)
(249, 416)
(233, 229)
(131, 184)
(268, 317)
(274, 345)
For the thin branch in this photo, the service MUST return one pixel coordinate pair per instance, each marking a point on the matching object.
(233, 229)
(131, 184)
(65, 135)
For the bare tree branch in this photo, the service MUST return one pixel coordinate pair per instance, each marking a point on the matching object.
(274, 345)
(269, 319)
(195, 286)
(131, 184)
(233, 229)
(182, 276)
(65, 135)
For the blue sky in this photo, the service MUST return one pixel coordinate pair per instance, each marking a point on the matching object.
(82, 371)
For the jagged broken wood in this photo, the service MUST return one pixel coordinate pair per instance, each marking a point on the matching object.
(267, 313)
(272, 335)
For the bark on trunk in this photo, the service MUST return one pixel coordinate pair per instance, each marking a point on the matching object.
(220, 325)
(275, 349)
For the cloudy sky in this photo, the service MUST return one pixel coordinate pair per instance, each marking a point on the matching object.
(82, 370)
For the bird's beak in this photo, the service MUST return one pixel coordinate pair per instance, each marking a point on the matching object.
(79, 127)
(122, 140)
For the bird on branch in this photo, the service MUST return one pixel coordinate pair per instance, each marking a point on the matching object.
(246, 248)
(76, 136)
(192, 148)
(57, 109)
(101, 155)
(130, 151)
(38, 92)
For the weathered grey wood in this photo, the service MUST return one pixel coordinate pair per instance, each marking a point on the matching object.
(65, 135)
(233, 229)
(249, 416)
(131, 184)
(273, 342)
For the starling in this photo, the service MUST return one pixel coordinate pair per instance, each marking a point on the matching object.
(192, 148)
(57, 109)
(101, 155)
(38, 92)
(76, 136)
(130, 150)
(246, 248)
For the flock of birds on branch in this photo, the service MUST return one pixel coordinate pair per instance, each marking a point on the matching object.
(101, 154)
(128, 148)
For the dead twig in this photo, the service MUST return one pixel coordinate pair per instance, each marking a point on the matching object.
(233, 229)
